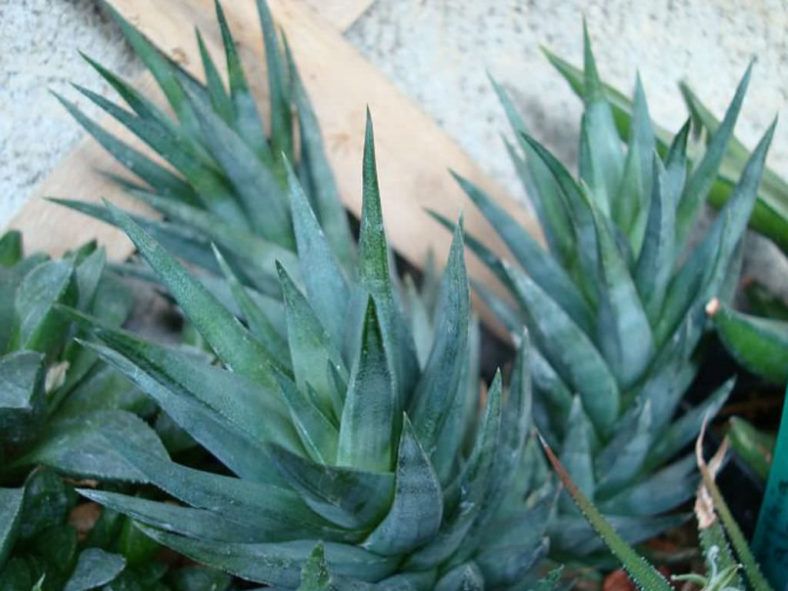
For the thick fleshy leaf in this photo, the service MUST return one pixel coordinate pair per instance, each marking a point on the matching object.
(623, 330)
(247, 119)
(375, 277)
(576, 453)
(644, 574)
(10, 508)
(417, 507)
(432, 400)
(259, 324)
(223, 332)
(238, 451)
(260, 193)
(368, 425)
(278, 564)
(508, 565)
(311, 347)
(350, 498)
(323, 188)
(22, 396)
(318, 434)
(197, 523)
(702, 178)
(324, 279)
(220, 100)
(542, 268)
(717, 246)
(658, 492)
(39, 327)
(759, 344)
(623, 456)
(657, 256)
(10, 248)
(276, 513)
(464, 577)
(686, 428)
(569, 350)
(601, 158)
(74, 445)
(95, 568)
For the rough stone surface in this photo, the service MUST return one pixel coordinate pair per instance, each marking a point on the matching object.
(437, 52)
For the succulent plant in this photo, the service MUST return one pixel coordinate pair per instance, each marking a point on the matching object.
(54, 395)
(337, 436)
(226, 180)
(615, 305)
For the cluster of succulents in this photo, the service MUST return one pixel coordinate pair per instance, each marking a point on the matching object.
(346, 436)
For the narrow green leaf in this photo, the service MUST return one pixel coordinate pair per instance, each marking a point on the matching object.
(247, 119)
(569, 350)
(311, 348)
(376, 278)
(368, 425)
(623, 329)
(95, 568)
(687, 427)
(576, 453)
(542, 268)
(324, 279)
(10, 510)
(328, 203)
(22, 396)
(228, 338)
(702, 178)
(621, 459)
(10, 248)
(347, 497)
(319, 436)
(642, 573)
(431, 402)
(417, 508)
(213, 81)
(278, 565)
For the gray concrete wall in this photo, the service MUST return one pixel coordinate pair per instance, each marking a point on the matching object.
(437, 52)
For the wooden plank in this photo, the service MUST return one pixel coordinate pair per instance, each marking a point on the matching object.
(414, 154)
(340, 13)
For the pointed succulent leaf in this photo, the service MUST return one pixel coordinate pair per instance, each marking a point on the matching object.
(621, 459)
(95, 568)
(225, 334)
(260, 193)
(247, 119)
(702, 178)
(74, 445)
(542, 268)
(22, 396)
(39, 327)
(569, 350)
(311, 348)
(576, 453)
(368, 426)
(375, 277)
(238, 451)
(508, 565)
(642, 573)
(464, 577)
(10, 511)
(602, 163)
(687, 427)
(660, 491)
(328, 204)
(324, 279)
(348, 497)
(439, 380)
(623, 330)
(314, 574)
(318, 434)
(220, 100)
(10, 248)
(278, 564)
(417, 507)
(759, 344)
(196, 523)
(259, 324)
